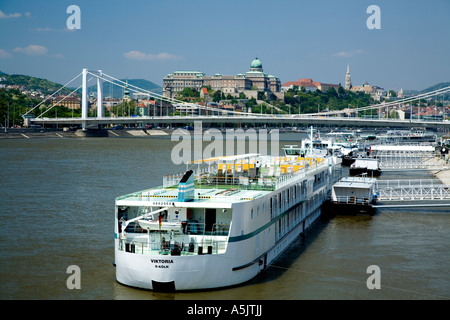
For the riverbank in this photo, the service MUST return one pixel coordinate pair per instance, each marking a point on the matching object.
(59, 133)
(441, 174)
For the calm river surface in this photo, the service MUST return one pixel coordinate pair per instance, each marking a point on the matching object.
(57, 210)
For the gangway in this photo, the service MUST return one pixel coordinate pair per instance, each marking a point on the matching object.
(412, 190)
(404, 157)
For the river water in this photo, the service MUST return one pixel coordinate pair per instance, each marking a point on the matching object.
(57, 210)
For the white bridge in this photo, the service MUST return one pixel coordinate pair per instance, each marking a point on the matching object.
(336, 117)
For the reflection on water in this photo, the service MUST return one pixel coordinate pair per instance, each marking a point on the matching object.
(57, 210)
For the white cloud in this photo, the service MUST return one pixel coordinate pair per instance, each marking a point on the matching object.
(5, 54)
(347, 54)
(58, 55)
(11, 15)
(47, 29)
(137, 55)
(32, 49)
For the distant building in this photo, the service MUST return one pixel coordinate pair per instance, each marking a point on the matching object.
(309, 85)
(109, 103)
(253, 80)
(70, 102)
(142, 109)
(126, 93)
(377, 93)
(203, 92)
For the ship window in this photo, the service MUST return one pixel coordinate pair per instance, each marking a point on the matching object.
(251, 214)
(257, 211)
(271, 207)
(279, 200)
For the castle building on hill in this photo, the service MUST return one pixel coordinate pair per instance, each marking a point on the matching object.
(249, 83)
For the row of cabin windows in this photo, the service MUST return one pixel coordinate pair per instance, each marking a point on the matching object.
(289, 196)
(296, 214)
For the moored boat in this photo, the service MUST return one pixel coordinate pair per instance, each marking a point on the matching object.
(353, 195)
(369, 166)
(219, 224)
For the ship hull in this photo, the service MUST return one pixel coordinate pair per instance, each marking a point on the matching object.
(241, 263)
(369, 172)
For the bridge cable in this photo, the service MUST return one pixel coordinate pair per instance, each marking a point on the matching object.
(51, 95)
(56, 104)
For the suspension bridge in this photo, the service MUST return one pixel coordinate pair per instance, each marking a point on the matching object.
(232, 117)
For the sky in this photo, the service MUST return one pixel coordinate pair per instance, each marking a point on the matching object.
(293, 39)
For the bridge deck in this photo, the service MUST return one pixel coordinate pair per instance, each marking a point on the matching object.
(261, 119)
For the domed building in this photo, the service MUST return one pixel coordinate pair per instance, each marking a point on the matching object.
(256, 65)
(250, 83)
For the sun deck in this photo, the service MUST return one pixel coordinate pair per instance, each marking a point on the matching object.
(223, 193)
(231, 179)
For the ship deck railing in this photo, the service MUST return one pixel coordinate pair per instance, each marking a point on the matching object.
(269, 177)
(351, 200)
(196, 241)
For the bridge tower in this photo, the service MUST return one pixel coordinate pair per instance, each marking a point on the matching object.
(84, 100)
(100, 95)
(85, 132)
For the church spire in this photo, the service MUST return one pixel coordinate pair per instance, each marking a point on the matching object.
(126, 92)
(348, 79)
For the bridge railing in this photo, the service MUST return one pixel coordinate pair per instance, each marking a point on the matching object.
(382, 184)
(407, 190)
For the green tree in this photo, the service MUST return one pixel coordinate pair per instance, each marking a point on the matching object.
(217, 96)
(190, 92)
(393, 115)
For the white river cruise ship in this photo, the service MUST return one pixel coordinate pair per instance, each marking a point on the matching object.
(220, 223)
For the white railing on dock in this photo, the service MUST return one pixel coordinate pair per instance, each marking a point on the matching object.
(407, 183)
(407, 190)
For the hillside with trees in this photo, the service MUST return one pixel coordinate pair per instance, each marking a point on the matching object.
(302, 101)
(32, 83)
(296, 100)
